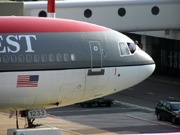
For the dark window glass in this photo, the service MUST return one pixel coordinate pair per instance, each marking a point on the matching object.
(160, 104)
(155, 10)
(42, 14)
(164, 104)
(87, 13)
(175, 106)
(121, 12)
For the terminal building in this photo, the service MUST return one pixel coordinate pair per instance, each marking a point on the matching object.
(154, 23)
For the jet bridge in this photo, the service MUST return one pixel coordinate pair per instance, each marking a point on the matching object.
(121, 15)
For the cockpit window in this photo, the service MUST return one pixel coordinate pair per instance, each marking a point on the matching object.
(124, 49)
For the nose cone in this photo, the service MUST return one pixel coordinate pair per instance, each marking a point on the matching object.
(146, 71)
(148, 67)
(143, 67)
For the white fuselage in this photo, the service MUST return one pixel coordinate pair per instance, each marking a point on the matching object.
(67, 86)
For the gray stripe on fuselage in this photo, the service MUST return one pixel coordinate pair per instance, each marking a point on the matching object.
(30, 45)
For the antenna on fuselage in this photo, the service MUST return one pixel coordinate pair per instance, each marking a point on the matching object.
(51, 8)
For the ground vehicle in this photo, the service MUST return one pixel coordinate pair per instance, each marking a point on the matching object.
(168, 110)
(97, 102)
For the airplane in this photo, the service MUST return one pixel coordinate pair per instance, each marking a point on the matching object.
(48, 62)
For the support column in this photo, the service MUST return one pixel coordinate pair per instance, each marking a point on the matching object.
(143, 41)
(51, 8)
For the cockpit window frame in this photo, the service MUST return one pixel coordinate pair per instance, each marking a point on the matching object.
(120, 50)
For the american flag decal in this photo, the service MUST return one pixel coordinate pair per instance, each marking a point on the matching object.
(27, 80)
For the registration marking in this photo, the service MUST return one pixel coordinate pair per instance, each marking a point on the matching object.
(34, 114)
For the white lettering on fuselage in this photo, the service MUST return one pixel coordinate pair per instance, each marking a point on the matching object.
(10, 43)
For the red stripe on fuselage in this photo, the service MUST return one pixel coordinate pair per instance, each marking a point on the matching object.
(40, 25)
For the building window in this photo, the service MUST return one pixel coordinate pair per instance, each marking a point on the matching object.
(155, 10)
(42, 14)
(121, 12)
(87, 13)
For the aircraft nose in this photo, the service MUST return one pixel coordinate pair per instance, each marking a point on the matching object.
(148, 68)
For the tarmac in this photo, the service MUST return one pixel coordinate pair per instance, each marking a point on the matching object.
(10, 123)
(127, 120)
(66, 127)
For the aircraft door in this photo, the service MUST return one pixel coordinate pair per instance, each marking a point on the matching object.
(96, 54)
(96, 77)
